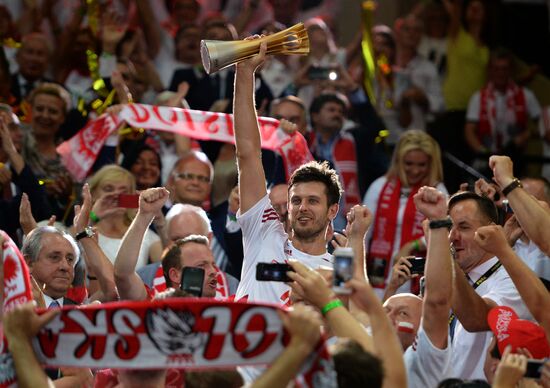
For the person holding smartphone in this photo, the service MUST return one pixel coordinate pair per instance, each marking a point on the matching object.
(114, 201)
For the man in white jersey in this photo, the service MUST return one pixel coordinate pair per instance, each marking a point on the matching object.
(314, 192)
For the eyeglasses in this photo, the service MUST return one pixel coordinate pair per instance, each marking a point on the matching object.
(190, 176)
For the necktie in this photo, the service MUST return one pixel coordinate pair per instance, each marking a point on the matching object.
(54, 304)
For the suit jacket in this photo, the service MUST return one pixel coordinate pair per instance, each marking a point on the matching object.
(15, 86)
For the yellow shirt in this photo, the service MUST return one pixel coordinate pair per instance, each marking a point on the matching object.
(466, 70)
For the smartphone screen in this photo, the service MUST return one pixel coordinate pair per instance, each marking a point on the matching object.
(273, 272)
(192, 279)
(128, 201)
(418, 264)
(343, 270)
(534, 368)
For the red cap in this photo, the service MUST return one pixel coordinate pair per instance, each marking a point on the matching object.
(519, 333)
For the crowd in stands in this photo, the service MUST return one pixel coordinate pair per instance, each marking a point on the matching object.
(418, 147)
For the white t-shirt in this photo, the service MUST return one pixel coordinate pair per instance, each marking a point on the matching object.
(469, 349)
(426, 364)
(535, 259)
(264, 240)
(371, 201)
(110, 247)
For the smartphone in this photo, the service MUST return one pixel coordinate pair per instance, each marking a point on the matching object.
(377, 271)
(506, 206)
(534, 368)
(273, 272)
(418, 264)
(343, 269)
(321, 73)
(128, 201)
(192, 279)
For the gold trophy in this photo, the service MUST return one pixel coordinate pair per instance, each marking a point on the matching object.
(217, 55)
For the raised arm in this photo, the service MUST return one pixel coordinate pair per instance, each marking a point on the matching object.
(533, 218)
(99, 268)
(359, 221)
(454, 9)
(387, 345)
(533, 292)
(438, 288)
(470, 308)
(247, 133)
(129, 284)
(20, 326)
(151, 27)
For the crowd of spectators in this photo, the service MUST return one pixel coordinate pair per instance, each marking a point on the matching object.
(415, 160)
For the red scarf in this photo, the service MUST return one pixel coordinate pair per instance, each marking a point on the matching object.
(344, 160)
(385, 226)
(80, 152)
(515, 103)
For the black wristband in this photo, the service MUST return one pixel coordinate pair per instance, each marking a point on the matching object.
(91, 277)
(444, 223)
(512, 186)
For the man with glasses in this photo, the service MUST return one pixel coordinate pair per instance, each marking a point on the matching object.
(191, 179)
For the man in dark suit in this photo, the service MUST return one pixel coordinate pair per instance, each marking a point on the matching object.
(51, 256)
(32, 58)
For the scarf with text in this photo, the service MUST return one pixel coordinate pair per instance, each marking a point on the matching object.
(516, 114)
(385, 227)
(344, 159)
(185, 333)
(80, 152)
(17, 290)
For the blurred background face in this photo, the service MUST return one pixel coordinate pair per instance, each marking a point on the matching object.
(411, 32)
(185, 11)
(291, 112)
(500, 72)
(33, 58)
(48, 113)
(317, 39)
(416, 165)
(188, 45)
(146, 169)
(475, 12)
(383, 47)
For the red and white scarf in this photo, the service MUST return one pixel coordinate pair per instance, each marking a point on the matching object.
(17, 290)
(385, 225)
(80, 152)
(516, 114)
(188, 333)
(344, 159)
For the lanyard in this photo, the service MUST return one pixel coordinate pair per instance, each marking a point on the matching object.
(479, 282)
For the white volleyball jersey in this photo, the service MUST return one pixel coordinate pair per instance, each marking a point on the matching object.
(265, 241)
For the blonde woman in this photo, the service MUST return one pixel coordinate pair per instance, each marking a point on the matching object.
(112, 221)
(397, 227)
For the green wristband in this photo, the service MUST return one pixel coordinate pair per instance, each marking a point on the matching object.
(94, 218)
(416, 245)
(331, 306)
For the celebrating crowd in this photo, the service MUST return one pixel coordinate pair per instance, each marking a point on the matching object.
(361, 216)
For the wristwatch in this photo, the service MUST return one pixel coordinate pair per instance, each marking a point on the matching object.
(444, 223)
(87, 232)
(511, 186)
